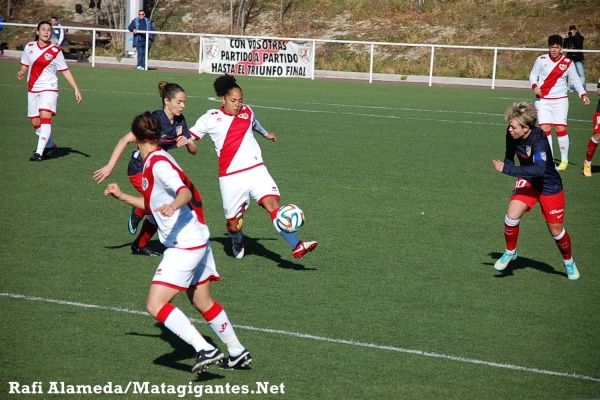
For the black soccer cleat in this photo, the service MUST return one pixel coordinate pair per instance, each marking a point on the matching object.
(133, 222)
(143, 251)
(49, 151)
(35, 157)
(242, 361)
(204, 358)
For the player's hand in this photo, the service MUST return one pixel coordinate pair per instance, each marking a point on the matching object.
(182, 141)
(499, 165)
(271, 136)
(78, 96)
(102, 174)
(586, 101)
(20, 75)
(114, 190)
(166, 209)
(537, 91)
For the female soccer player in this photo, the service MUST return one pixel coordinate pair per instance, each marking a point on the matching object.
(538, 181)
(188, 264)
(594, 140)
(41, 59)
(175, 134)
(242, 172)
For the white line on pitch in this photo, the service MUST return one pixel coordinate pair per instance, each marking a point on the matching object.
(323, 339)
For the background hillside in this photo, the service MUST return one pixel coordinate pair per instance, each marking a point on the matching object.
(525, 23)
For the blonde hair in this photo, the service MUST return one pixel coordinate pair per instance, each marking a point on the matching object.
(522, 112)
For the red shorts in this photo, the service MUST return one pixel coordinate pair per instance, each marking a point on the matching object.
(553, 206)
(136, 181)
(596, 123)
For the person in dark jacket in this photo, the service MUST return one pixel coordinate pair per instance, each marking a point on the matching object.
(141, 23)
(574, 40)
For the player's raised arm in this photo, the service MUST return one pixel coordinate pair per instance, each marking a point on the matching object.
(105, 171)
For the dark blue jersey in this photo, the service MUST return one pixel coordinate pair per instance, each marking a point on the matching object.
(168, 139)
(535, 159)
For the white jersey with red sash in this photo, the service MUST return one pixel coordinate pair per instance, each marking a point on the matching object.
(162, 179)
(43, 63)
(235, 143)
(551, 76)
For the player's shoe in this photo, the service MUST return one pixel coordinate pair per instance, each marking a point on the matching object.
(587, 170)
(304, 247)
(242, 361)
(503, 261)
(238, 249)
(133, 221)
(563, 165)
(206, 357)
(572, 272)
(143, 251)
(49, 151)
(35, 157)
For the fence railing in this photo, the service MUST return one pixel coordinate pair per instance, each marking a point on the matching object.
(371, 45)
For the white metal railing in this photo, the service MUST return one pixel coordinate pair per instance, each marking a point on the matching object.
(371, 45)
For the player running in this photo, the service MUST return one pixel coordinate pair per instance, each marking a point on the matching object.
(242, 172)
(174, 134)
(41, 59)
(538, 181)
(593, 143)
(188, 264)
(548, 79)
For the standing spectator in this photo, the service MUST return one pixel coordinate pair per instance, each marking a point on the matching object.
(594, 140)
(548, 79)
(141, 23)
(41, 59)
(538, 181)
(57, 37)
(1, 27)
(574, 40)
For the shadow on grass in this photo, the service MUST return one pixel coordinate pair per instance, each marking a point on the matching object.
(65, 151)
(155, 245)
(254, 247)
(181, 351)
(522, 263)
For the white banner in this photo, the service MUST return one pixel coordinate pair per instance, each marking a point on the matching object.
(256, 57)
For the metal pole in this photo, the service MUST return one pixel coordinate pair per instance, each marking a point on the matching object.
(313, 59)
(494, 71)
(231, 15)
(371, 65)
(146, 55)
(201, 54)
(93, 48)
(431, 66)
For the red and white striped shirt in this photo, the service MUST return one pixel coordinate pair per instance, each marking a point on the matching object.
(551, 77)
(43, 63)
(234, 140)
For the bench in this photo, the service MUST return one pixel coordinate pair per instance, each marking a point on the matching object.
(80, 43)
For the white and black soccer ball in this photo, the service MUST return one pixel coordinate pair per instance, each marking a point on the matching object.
(289, 218)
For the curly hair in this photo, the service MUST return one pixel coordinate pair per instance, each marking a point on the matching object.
(555, 39)
(224, 84)
(146, 127)
(524, 113)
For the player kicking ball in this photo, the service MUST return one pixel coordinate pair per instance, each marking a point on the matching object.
(538, 180)
(187, 264)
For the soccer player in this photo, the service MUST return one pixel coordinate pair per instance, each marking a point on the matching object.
(188, 264)
(537, 181)
(593, 143)
(242, 172)
(548, 79)
(174, 134)
(41, 59)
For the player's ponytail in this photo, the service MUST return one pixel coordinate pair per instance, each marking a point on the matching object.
(168, 91)
(146, 127)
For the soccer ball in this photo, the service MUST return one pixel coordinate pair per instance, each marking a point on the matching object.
(289, 218)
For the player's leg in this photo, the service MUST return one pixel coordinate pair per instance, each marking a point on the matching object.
(214, 314)
(560, 110)
(553, 211)
(545, 120)
(592, 145)
(234, 230)
(149, 227)
(234, 194)
(174, 274)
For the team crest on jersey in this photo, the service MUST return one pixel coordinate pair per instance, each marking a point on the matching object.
(144, 184)
(48, 56)
(243, 115)
(179, 130)
(562, 67)
(211, 50)
(528, 150)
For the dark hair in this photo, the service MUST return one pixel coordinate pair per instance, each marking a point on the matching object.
(168, 90)
(146, 127)
(555, 39)
(37, 37)
(224, 84)
(572, 28)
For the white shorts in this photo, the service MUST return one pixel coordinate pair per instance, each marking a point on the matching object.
(182, 269)
(236, 190)
(42, 101)
(552, 112)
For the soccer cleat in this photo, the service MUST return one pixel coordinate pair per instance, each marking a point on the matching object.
(49, 150)
(206, 357)
(587, 170)
(143, 251)
(242, 361)
(139, 67)
(572, 272)
(238, 249)
(503, 261)
(35, 157)
(133, 221)
(304, 247)
(563, 165)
